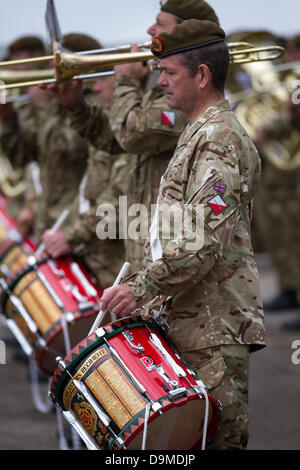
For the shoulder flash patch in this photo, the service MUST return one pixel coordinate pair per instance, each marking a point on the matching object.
(168, 118)
(217, 204)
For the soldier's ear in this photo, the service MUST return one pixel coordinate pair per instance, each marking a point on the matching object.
(203, 76)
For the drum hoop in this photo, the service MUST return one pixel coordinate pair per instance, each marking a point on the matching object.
(18, 277)
(55, 388)
(9, 247)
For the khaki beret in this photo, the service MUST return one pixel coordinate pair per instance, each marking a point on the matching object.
(26, 43)
(190, 9)
(79, 42)
(188, 35)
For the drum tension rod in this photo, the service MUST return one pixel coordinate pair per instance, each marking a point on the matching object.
(156, 406)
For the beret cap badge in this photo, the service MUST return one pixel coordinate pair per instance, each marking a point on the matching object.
(157, 45)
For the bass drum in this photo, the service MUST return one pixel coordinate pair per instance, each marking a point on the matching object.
(123, 386)
(50, 305)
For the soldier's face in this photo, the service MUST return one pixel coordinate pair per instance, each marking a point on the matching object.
(24, 54)
(180, 88)
(165, 23)
(105, 87)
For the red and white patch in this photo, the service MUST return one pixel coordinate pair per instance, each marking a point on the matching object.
(217, 204)
(168, 118)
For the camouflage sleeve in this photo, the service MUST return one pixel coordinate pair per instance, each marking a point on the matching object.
(187, 258)
(143, 122)
(18, 138)
(91, 122)
(106, 181)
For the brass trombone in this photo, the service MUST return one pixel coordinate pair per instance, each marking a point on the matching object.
(70, 66)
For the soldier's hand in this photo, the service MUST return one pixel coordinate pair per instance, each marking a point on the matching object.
(6, 111)
(118, 300)
(138, 70)
(70, 96)
(25, 221)
(55, 243)
(259, 138)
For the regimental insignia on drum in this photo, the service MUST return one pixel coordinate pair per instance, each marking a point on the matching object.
(157, 45)
(87, 416)
(148, 363)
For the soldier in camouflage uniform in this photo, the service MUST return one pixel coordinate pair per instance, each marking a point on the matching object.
(277, 204)
(141, 121)
(144, 124)
(17, 113)
(104, 182)
(60, 152)
(214, 308)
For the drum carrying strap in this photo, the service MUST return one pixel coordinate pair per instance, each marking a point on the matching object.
(41, 406)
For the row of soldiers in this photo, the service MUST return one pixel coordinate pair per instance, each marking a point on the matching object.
(140, 151)
(82, 149)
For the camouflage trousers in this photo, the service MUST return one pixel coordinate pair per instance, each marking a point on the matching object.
(224, 371)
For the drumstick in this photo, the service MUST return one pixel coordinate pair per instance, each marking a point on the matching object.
(100, 316)
(57, 224)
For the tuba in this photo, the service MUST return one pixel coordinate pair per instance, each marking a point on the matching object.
(264, 102)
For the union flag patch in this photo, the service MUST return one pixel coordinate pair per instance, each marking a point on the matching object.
(217, 204)
(219, 187)
(168, 118)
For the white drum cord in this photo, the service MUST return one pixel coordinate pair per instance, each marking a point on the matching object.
(40, 405)
(205, 425)
(75, 438)
(201, 390)
(147, 414)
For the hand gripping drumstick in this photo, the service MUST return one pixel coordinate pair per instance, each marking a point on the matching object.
(55, 227)
(124, 271)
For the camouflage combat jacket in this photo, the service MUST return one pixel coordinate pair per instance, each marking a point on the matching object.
(147, 128)
(63, 157)
(18, 141)
(104, 181)
(213, 290)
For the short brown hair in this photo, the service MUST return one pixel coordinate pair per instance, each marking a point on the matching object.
(215, 56)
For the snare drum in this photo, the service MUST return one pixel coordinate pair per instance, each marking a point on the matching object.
(14, 251)
(124, 387)
(14, 255)
(50, 305)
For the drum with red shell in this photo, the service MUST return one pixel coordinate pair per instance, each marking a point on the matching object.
(123, 386)
(52, 304)
(14, 251)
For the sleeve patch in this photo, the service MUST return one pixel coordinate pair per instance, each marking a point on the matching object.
(217, 204)
(168, 118)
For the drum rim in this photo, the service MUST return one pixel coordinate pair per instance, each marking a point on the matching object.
(18, 275)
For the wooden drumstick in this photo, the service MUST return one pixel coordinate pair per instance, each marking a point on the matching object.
(124, 271)
(55, 227)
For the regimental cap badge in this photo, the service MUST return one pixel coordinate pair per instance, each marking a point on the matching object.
(157, 45)
(163, 2)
